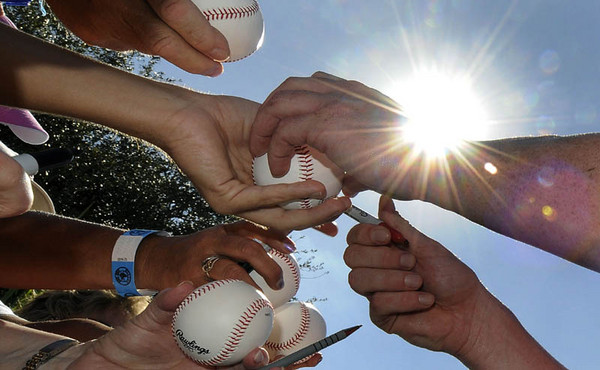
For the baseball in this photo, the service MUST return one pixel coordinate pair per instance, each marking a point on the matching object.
(291, 277)
(219, 323)
(240, 21)
(307, 164)
(297, 325)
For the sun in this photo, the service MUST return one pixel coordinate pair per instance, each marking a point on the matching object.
(442, 111)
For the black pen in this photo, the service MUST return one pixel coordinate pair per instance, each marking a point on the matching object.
(311, 349)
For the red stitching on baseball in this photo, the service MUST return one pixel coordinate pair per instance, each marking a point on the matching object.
(238, 331)
(195, 295)
(298, 336)
(231, 13)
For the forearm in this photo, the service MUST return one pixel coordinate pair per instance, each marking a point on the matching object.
(544, 191)
(501, 342)
(43, 77)
(20, 343)
(41, 250)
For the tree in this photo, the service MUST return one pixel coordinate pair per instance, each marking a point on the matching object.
(115, 179)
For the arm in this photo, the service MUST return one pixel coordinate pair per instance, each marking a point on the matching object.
(175, 30)
(545, 191)
(47, 251)
(446, 308)
(206, 135)
(124, 347)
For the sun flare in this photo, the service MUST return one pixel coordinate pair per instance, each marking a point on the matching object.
(442, 111)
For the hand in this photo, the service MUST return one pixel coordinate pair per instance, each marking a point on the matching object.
(173, 29)
(437, 309)
(181, 257)
(16, 195)
(146, 341)
(209, 141)
(355, 126)
(451, 311)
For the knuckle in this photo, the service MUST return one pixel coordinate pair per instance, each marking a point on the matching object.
(171, 9)
(233, 271)
(161, 44)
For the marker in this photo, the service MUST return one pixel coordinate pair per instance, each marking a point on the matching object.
(364, 217)
(44, 160)
(311, 349)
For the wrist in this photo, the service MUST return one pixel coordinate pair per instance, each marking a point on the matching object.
(153, 261)
(123, 265)
(501, 342)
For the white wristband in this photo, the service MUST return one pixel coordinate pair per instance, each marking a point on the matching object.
(123, 262)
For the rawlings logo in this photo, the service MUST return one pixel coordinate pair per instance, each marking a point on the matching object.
(191, 345)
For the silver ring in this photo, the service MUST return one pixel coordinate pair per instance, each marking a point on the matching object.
(208, 265)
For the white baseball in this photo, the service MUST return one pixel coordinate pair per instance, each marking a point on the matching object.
(240, 21)
(219, 323)
(307, 164)
(291, 277)
(297, 325)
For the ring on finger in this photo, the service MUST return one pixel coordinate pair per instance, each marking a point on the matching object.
(208, 264)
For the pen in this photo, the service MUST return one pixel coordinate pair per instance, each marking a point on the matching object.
(364, 217)
(44, 160)
(311, 349)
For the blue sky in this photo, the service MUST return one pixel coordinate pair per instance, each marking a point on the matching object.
(534, 67)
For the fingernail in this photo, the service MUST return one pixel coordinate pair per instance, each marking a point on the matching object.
(290, 246)
(413, 281)
(407, 260)
(260, 358)
(185, 282)
(215, 71)
(380, 235)
(280, 284)
(426, 299)
(219, 54)
(317, 195)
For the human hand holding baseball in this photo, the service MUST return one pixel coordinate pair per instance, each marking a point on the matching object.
(181, 257)
(175, 30)
(442, 306)
(208, 139)
(147, 340)
(357, 127)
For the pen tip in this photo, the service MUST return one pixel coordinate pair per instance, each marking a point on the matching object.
(352, 329)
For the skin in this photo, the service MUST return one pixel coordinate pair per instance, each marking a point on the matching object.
(206, 135)
(173, 29)
(16, 195)
(545, 190)
(145, 342)
(427, 296)
(28, 264)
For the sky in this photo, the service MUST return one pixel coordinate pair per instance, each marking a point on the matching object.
(529, 67)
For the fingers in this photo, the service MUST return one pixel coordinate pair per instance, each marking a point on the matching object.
(367, 234)
(184, 37)
(165, 303)
(294, 96)
(366, 281)
(285, 220)
(16, 194)
(251, 252)
(251, 197)
(378, 257)
(382, 304)
(273, 238)
(255, 359)
(329, 228)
